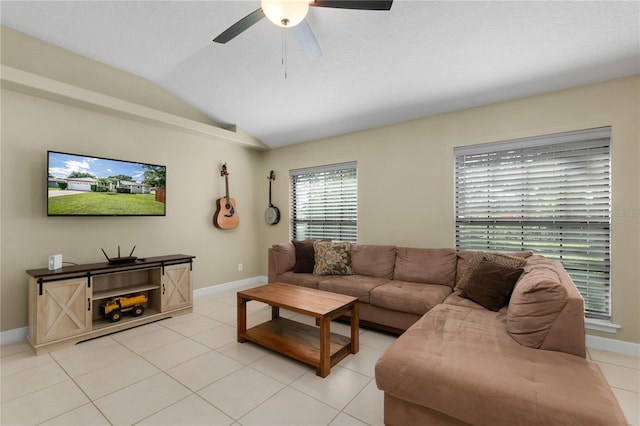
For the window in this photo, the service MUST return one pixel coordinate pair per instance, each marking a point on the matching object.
(550, 194)
(324, 202)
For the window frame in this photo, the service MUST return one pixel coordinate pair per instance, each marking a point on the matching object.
(587, 262)
(321, 217)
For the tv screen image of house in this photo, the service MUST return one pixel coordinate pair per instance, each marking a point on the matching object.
(81, 185)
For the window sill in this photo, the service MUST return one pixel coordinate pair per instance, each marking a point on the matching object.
(601, 325)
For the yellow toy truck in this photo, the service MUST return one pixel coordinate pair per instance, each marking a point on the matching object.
(116, 306)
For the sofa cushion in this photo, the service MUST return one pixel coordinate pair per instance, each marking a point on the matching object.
(284, 257)
(415, 298)
(461, 362)
(301, 279)
(536, 302)
(456, 299)
(495, 257)
(332, 258)
(359, 286)
(305, 256)
(373, 260)
(490, 284)
(432, 266)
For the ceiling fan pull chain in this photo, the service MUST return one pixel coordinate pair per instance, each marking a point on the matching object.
(284, 52)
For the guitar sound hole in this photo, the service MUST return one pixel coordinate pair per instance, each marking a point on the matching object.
(231, 210)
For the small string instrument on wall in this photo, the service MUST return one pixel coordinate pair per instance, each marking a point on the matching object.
(272, 213)
(226, 216)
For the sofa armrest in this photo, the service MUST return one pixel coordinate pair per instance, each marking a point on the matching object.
(282, 258)
(567, 334)
(546, 310)
(271, 267)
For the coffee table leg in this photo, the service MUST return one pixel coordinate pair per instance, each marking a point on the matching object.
(275, 312)
(325, 357)
(355, 325)
(242, 318)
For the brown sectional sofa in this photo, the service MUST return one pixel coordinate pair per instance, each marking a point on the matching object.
(395, 286)
(457, 363)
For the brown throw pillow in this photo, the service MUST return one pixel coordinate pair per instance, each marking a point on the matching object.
(305, 256)
(495, 257)
(332, 258)
(490, 284)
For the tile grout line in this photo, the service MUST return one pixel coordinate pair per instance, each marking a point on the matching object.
(289, 385)
(91, 401)
(161, 370)
(217, 350)
(352, 399)
(617, 365)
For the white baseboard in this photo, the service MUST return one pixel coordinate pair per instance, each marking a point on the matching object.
(613, 345)
(20, 334)
(15, 335)
(233, 285)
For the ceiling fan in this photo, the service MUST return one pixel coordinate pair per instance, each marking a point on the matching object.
(291, 13)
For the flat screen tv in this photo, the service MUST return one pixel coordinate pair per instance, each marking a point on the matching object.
(81, 185)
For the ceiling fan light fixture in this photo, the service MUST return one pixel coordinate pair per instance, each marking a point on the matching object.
(285, 13)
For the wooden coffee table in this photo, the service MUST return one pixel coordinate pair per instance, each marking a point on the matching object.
(315, 346)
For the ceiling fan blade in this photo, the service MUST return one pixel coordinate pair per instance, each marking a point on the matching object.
(307, 40)
(240, 26)
(354, 4)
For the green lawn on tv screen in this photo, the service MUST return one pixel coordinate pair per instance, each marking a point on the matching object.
(101, 203)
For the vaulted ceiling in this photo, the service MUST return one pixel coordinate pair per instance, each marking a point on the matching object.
(377, 68)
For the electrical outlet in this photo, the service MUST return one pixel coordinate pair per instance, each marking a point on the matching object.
(240, 267)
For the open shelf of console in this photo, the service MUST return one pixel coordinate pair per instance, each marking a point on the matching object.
(106, 294)
(129, 321)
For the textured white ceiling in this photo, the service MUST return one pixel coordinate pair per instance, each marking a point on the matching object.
(378, 67)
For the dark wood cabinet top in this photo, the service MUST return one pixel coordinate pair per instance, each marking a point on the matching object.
(105, 267)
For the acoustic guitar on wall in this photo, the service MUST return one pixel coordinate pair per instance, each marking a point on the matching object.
(226, 216)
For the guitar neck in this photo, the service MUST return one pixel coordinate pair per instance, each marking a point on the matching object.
(271, 178)
(226, 184)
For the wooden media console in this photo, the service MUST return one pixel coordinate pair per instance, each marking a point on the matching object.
(64, 304)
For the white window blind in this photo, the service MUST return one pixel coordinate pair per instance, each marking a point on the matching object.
(324, 202)
(550, 194)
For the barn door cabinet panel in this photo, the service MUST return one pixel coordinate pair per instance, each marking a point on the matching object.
(176, 287)
(67, 305)
(63, 310)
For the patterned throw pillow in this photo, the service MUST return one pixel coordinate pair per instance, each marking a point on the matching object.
(332, 258)
(497, 258)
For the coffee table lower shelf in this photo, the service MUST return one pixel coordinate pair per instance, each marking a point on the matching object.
(297, 340)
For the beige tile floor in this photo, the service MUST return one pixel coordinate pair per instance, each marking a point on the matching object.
(190, 370)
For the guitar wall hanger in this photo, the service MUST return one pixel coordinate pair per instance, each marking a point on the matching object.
(226, 216)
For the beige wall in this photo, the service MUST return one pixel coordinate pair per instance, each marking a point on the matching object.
(31, 126)
(405, 174)
(33, 55)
